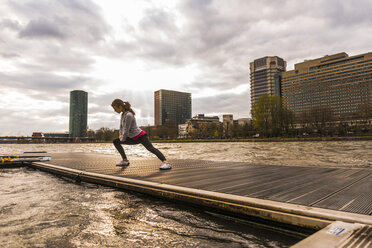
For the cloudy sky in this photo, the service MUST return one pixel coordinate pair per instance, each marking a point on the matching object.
(129, 49)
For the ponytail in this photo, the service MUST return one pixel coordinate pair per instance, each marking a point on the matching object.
(125, 105)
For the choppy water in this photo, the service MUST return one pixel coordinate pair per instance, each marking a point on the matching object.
(40, 210)
(322, 153)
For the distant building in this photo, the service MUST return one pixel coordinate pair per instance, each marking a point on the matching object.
(37, 135)
(182, 131)
(266, 76)
(172, 106)
(56, 135)
(228, 123)
(339, 82)
(201, 120)
(78, 113)
(244, 121)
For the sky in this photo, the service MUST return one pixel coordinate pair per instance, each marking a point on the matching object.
(129, 49)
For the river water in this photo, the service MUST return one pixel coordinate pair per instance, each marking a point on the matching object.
(41, 210)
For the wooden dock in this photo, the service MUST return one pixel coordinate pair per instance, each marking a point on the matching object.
(310, 197)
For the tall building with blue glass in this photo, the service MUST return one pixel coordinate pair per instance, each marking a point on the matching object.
(78, 113)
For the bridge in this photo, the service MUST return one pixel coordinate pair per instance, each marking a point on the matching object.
(20, 139)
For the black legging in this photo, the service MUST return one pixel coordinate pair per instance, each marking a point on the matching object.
(144, 140)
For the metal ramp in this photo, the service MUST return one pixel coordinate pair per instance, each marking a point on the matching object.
(339, 235)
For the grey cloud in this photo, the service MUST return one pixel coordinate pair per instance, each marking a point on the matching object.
(237, 104)
(10, 24)
(44, 85)
(198, 4)
(42, 28)
(9, 55)
(50, 58)
(157, 50)
(33, 123)
(207, 38)
(220, 31)
(158, 20)
(57, 59)
(156, 39)
(51, 40)
(58, 112)
(82, 6)
(349, 13)
(78, 21)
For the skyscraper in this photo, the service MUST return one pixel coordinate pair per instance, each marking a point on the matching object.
(266, 76)
(78, 113)
(338, 82)
(172, 106)
(228, 123)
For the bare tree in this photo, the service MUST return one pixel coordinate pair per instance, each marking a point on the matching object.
(364, 114)
(320, 118)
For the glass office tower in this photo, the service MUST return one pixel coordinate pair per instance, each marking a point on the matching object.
(172, 106)
(78, 113)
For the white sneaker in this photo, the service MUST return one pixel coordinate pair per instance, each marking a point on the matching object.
(166, 166)
(123, 163)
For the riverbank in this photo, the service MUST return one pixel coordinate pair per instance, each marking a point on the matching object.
(276, 139)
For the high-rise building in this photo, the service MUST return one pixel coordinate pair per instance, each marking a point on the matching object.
(266, 76)
(228, 122)
(172, 106)
(78, 113)
(338, 82)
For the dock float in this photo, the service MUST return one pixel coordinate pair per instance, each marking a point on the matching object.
(304, 196)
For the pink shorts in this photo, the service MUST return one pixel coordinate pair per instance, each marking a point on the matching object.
(139, 135)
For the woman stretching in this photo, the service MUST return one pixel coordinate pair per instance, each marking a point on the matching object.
(130, 134)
